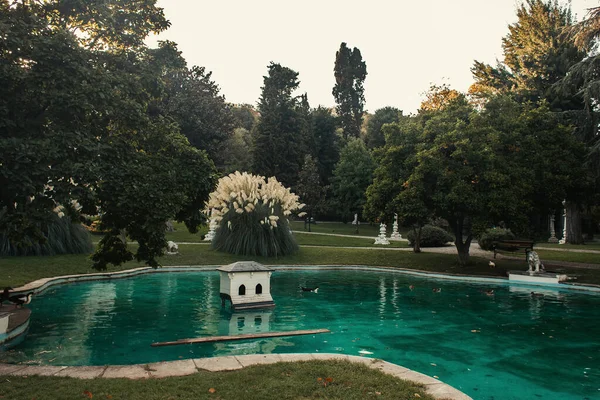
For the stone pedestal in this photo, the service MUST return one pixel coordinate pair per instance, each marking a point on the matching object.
(395, 234)
(381, 239)
(553, 238)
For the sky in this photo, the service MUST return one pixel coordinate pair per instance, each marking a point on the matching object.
(406, 44)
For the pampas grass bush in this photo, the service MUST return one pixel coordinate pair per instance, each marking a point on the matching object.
(63, 236)
(252, 216)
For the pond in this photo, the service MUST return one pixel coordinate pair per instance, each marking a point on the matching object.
(501, 346)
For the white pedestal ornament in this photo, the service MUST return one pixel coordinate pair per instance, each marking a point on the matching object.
(395, 234)
(381, 239)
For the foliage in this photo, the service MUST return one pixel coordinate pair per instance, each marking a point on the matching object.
(192, 99)
(309, 187)
(75, 122)
(475, 168)
(280, 136)
(374, 137)
(252, 214)
(431, 236)
(244, 115)
(438, 97)
(350, 72)
(235, 154)
(326, 140)
(61, 234)
(487, 239)
(351, 177)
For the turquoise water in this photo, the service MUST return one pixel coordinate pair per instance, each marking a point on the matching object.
(506, 346)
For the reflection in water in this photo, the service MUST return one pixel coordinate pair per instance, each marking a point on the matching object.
(245, 322)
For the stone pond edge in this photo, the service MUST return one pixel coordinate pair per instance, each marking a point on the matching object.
(433, 387)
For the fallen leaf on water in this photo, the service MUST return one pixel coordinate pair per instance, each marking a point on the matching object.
(212, 390)
(436, 377)
(474, 330)
(434, 364)
(88, 394)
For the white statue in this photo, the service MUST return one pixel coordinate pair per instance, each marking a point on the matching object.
(212, 227)
(395, 234)
(381, 239)
(564, 238)
(172, 248)
(533, 260)
(355, 222)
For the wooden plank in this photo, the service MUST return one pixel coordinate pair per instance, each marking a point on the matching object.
(210, 339)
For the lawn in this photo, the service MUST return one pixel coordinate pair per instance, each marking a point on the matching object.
(345, 229)
(20, 270)
(339, 241)
(300, 380)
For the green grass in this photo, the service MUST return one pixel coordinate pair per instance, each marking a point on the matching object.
(16, 271)
(345, 229)
(587, 246)
(300, 380)
(585, 258)
(340, 241)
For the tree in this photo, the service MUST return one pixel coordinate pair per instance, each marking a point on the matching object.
(351, 177)
(279, 140)
(75, 126)
(326, 140)
(387, 115)
(244, 115)
(235, 154)
(537, 54)
(350, 72)
(391, 191)
(192, 99)
(309, 187)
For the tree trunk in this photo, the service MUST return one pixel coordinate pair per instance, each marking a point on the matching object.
(462, 247)
(309, 218)
(574, 226)
(417, 242)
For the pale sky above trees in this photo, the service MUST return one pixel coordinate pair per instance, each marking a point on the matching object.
(406, 44)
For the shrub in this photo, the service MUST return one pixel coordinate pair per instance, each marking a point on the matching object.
(431, 236)
(252, 216)
(62, 236)
(491, 235)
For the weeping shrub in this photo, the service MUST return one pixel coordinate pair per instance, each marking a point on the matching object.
(252, 215)
(487, 239)
(431, 236)
(63, 236)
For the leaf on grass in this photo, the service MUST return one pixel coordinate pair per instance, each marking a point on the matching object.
(417, 395)
(328, 379)
(108, 396)
(319, 379)
(88, 394)
(212, 390)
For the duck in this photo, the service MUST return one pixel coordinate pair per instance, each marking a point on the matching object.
(437, 290)
(308, 289)
(21, 299)
(412, 287)
(489, 292)
(5, 295)
(534, 294)
(492, 264)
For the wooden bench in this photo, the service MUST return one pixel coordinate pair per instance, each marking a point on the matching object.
(513, 246)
